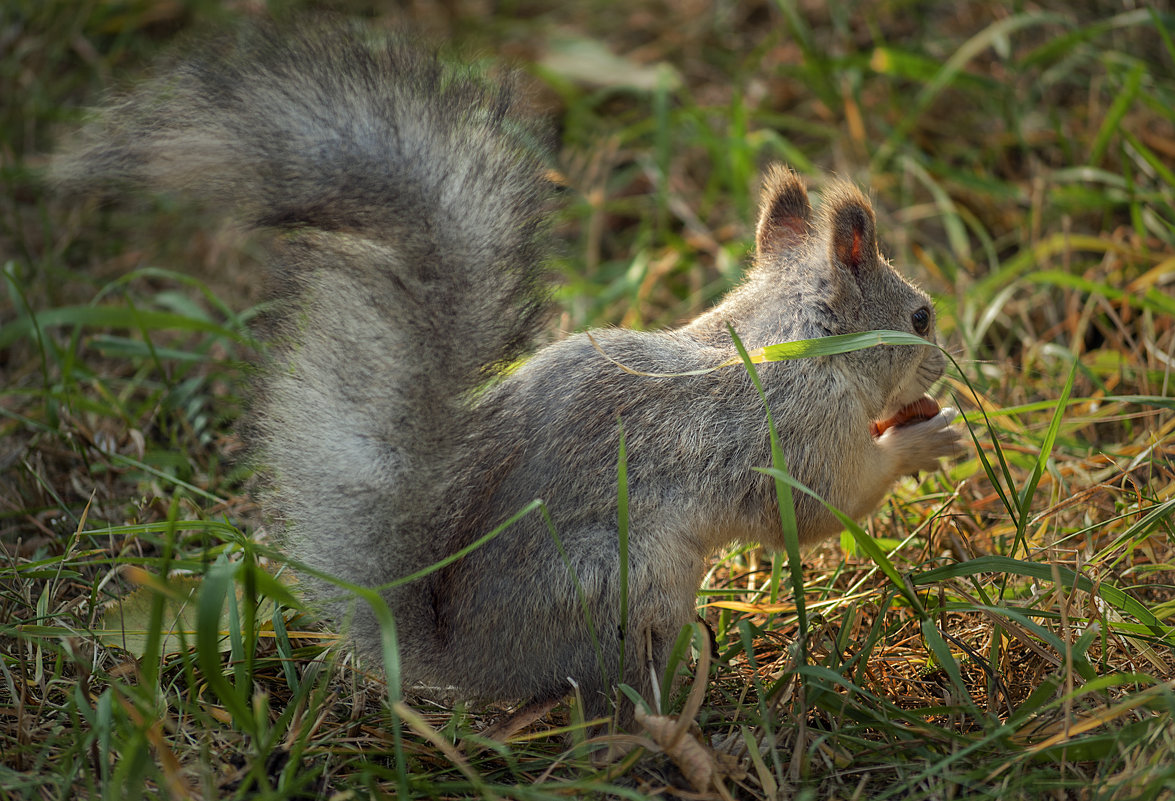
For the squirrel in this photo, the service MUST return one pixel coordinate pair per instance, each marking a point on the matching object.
(409, 204)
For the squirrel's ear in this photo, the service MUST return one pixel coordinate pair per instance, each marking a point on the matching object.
(783, 211)
(849, 217)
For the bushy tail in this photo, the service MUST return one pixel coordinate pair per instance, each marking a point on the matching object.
(412, 201)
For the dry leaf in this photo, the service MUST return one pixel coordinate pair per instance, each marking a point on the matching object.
(690, 756)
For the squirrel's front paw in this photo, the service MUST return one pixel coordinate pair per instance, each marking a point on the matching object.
(919, 446)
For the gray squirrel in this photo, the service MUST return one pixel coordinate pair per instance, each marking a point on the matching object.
(408, 203)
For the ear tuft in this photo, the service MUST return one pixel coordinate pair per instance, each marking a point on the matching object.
(852, 229)
(784, 211)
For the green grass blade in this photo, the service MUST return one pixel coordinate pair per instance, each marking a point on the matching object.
(1046, 450)
(787, 511)
(111, 317)
(214, 593)
(1069, 578)
(867, 544)
(839, 343)
(1151, 300)
(1112, 122)
(622, 529)
(946, 660)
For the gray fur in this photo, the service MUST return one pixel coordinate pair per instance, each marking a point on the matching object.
(411, 205)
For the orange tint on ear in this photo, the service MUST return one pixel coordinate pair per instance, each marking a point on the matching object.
(849, 217)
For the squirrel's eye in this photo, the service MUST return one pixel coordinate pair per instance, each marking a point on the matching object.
(921, 321)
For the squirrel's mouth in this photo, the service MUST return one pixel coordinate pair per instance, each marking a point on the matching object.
(922, 409)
